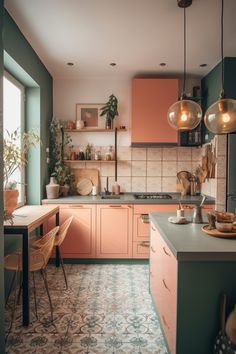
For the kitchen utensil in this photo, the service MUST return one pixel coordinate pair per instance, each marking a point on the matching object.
(184, 178)
(203, 200)
(217, 233)
(211, 219)
(224, 226)
(84, 186)
(197, 215)
(90, 173)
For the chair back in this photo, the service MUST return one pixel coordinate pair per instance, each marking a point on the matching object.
(63, 231)
(39, 257)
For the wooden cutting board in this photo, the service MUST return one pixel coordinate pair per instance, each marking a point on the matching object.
(84, 186)
(90, 173)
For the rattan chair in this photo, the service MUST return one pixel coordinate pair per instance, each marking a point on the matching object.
(38, 259)
(63, 229)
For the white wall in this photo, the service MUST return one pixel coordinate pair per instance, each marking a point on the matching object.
(94, 90)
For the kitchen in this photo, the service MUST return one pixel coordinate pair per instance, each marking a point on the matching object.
(140, 168)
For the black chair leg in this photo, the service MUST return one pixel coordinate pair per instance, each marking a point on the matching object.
(35, 301)
(44, 276)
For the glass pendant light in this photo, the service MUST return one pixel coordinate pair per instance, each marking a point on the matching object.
(220, 118)
(184, 114)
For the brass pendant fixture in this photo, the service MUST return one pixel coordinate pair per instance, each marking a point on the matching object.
(184, 114)
(220, 118)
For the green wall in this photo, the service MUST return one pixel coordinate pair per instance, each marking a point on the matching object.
(22, 61)
(2, 334)
(211, 84)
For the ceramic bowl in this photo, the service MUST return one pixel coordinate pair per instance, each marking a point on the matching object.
(224, 226)
(224, 217)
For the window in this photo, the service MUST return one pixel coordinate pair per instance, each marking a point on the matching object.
(13, 118)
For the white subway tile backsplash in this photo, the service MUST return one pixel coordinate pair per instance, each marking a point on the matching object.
(184, 154)
(139, 154)
(154, 168)
(108, 169)
(154, 154)
(184, 166)
(169, 154)
(139, 168)
(221, 145)
(124, 168)
(138, 184)
(154, 184)
(169, 184)
(196, 154)
(124, 153)
(169, 168)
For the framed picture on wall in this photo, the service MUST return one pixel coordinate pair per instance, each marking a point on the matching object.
(90, 114)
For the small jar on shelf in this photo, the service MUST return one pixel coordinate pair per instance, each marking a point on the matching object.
(109, 153)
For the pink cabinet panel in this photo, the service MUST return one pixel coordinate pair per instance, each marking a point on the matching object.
(163, 284)
(80, 240)
(151, 99)
(114, 231)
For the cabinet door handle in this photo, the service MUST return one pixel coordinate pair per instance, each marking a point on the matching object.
(164, 321)
(115, 206)
(153, 228)
(145, 218)
(76, 206)
(153, 250)
(144, 243)
(167, 253)
(163, 281)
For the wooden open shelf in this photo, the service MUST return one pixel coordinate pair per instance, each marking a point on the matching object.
(93, 130)
(76, 161)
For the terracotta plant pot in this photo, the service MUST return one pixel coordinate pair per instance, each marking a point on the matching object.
(10, 200)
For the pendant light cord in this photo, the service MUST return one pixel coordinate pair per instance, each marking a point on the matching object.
(184, 79)
(222, 94)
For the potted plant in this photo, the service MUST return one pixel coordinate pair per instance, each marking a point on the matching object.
(110, 110)
(59, 142)
(16, 146)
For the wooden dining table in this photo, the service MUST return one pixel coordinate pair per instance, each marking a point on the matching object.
(25, 220)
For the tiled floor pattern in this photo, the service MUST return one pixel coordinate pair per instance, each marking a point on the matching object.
(106, 310)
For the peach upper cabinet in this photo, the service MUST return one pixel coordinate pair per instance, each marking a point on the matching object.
(151, 99)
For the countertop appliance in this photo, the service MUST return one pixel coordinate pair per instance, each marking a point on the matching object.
(152, 196)
(231, 174)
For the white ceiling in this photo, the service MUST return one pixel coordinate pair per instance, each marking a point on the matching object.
(136, 34)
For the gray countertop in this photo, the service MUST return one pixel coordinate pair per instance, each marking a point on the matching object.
(127, 198)
(189, 243)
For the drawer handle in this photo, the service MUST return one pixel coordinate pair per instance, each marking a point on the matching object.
(76, 206)
(163, 281)
(145, 218)
(188, 206)
(115, 206)
(153, 228)
(167, 253)
(144, 243)
(165, 323)
(153, 250)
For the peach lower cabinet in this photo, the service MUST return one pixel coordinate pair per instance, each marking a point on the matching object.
(108, 230)
(189, 271)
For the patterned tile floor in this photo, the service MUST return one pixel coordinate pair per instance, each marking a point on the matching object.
(106, 310)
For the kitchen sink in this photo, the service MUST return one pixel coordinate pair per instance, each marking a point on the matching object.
(110, 197)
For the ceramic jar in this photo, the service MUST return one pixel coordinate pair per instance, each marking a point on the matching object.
(52, 189)
(79, 124)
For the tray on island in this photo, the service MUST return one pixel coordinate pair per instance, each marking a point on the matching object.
(217, 233)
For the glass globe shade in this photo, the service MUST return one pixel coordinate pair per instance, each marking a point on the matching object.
(220, 118)
(184, 115)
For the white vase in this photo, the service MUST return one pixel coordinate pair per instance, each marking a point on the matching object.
(52, 189)
(79, 124)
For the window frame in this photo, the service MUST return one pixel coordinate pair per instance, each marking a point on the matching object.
(21, 87)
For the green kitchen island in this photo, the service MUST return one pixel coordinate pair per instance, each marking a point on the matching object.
(189, 271)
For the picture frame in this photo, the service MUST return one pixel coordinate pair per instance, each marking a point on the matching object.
(90, 114)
